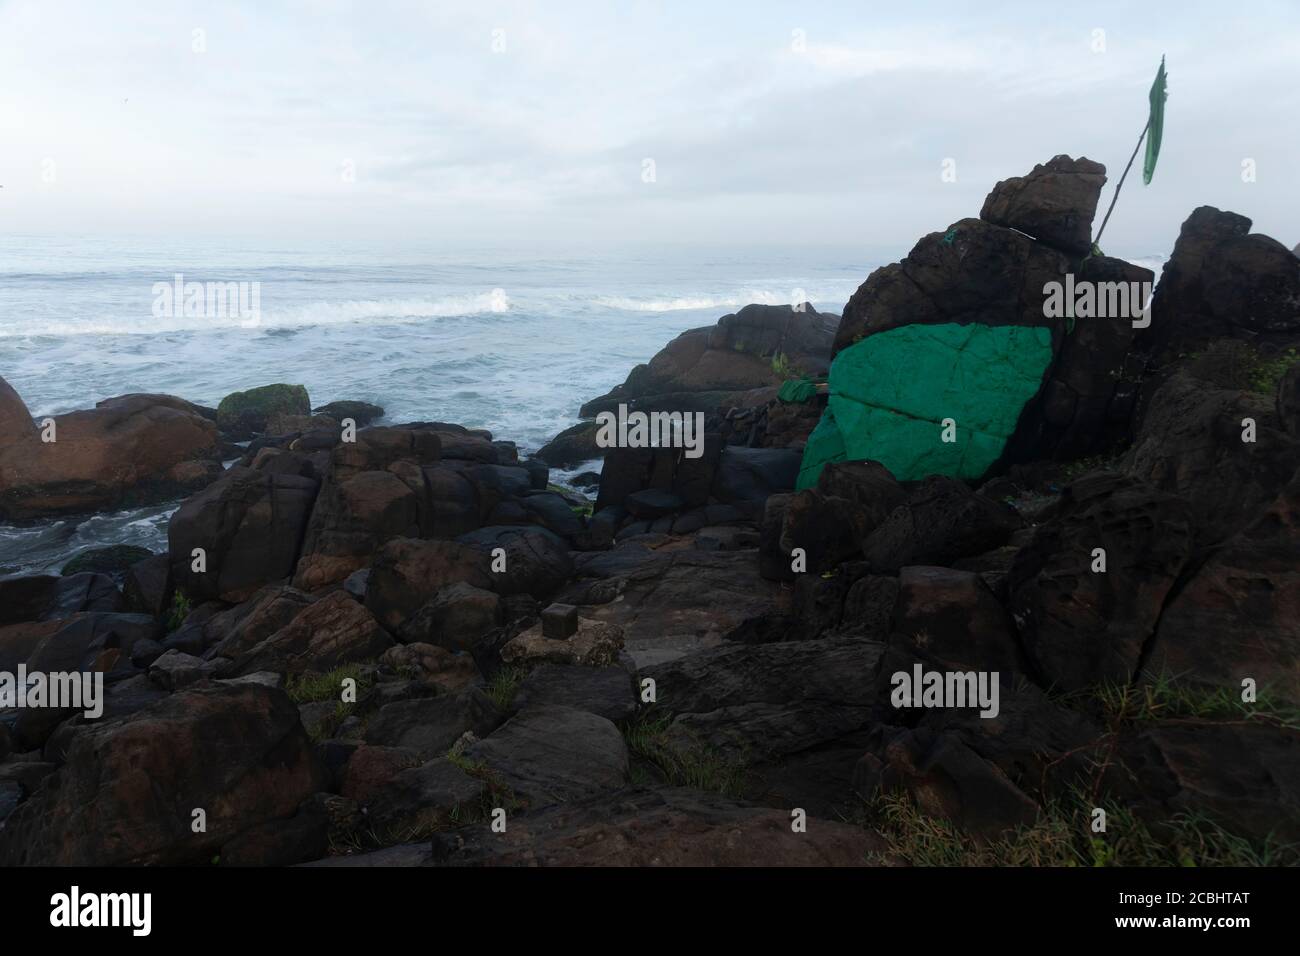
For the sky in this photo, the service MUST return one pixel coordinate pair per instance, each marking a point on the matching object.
(555, 122)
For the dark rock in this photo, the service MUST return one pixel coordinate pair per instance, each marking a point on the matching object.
(407, 572)
(1222, 281)
(747, 476)
(455, 618)
(1288, 400)
(125, 451)
(45, 597)
(425, 796)
(608, 692)
(942, 521)
(333, 631)
(431, 725)
(559, 621)
(241, 415)
(127, 791)
(363, 413)
(725, 360)
(1243, 775)
(249, 524)
(1082, 627)
(694, 600)
(555, 754)
(652, 503)
(113, 559)
(147, 585)
(1239, 614)
(572, 447)
(668, 827)
(303, 837)
(1055, 203)
(1189, 444)
(537, 560)
(953, 616)
(767, 701)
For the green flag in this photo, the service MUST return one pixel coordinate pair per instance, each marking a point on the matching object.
(1155, 123)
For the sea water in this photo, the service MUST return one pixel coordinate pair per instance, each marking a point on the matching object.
(508, 337)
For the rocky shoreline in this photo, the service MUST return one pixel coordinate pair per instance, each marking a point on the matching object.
(403, 645)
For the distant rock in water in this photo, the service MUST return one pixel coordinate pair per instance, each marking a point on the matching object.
(363, 413)
(241, 415)
(759, 346)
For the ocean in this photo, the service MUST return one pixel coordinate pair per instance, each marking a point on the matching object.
(512, 338)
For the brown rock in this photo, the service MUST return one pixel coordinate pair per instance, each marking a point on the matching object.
(333, 631)
(1055, 203)
(127, 792)
(126, 450)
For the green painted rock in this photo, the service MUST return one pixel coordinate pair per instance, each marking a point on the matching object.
(243, 415)
(893, 396)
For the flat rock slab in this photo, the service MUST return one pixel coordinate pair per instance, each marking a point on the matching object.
(765, 701)
(659, 827)
(695, 602)
(555, 754)
(431, 725)
(608, 692)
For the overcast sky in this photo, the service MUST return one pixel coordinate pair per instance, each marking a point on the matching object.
(772, 123)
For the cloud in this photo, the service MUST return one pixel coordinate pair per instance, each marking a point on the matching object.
(838, 137)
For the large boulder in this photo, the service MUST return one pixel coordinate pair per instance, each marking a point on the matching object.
(16, 423)
(954, 361)
(242, 415)
(129, 790)
(1054, 203)
(1223, 281)
(407, 572)
(537, 561)
(249, 525)
(1083, 625)
(129, 450)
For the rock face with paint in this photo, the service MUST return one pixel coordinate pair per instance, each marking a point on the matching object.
(947, 362)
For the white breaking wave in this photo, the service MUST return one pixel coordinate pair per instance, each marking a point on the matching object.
(361, 312)
(682, 303)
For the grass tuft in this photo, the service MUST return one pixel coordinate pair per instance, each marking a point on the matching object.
(682, 760)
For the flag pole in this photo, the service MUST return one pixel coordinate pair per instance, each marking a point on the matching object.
(1118, 185)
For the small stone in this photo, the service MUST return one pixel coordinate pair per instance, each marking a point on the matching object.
(559, 622)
